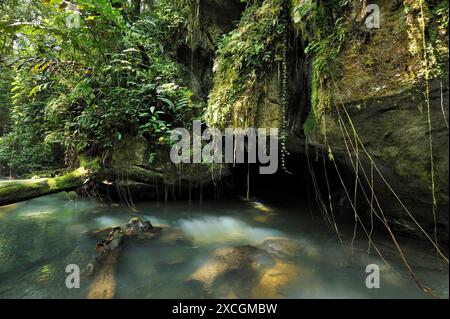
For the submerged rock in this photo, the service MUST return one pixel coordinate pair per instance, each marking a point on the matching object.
(223, 261)
(260, 271)
(136, 225)
(79, 256)
(103, 285)
(281, 247)
(109, 249)
(288, 248)
(172, 236)
(274, 279)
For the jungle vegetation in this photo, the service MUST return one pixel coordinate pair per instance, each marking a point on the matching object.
(72, 87)
(78, 76)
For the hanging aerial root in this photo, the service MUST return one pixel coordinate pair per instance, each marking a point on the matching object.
(383, 218)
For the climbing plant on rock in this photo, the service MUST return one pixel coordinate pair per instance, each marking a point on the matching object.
(245, 60)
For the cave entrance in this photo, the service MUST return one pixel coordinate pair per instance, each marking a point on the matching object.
(309, 181)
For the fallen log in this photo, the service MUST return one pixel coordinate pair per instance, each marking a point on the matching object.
(103, 285)
(18, 191)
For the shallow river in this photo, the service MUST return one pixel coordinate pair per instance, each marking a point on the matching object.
(39, 238)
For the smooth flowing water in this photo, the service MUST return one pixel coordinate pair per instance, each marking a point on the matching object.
(39, 238)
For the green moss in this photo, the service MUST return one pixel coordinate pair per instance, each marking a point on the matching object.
(245, 62)
(310, 125)
(69, 180)
(394, 58)
(326, 36)
(427, 29)
(92, 164)
(15, 191)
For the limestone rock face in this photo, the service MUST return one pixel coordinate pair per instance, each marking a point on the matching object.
(379, 101)
(214, 18)
(130, 150)
(133, 174)
(209, 20)
(395, 133)
(381, 85)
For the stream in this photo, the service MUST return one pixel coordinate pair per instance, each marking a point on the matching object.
(40, 237)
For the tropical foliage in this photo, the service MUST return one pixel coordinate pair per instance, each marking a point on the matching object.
(82, 74)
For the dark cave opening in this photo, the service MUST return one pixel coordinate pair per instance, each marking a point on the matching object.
(309, 180)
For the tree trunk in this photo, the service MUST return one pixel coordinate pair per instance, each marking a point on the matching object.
(18, 191)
